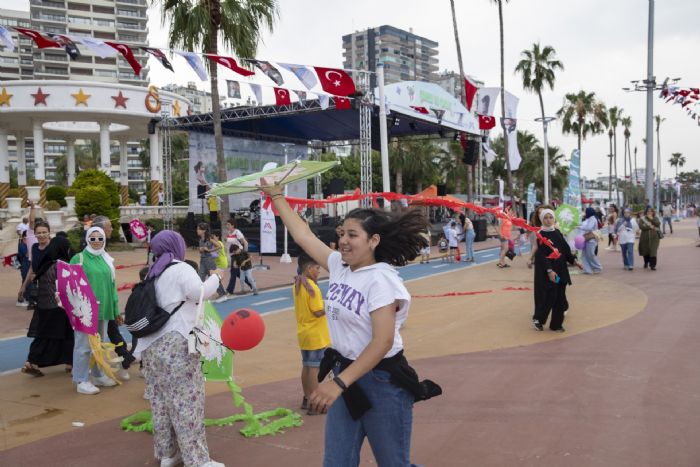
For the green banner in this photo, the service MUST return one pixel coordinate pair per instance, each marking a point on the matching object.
(568, 217)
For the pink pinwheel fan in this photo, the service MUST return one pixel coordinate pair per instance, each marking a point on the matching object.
(77, 297)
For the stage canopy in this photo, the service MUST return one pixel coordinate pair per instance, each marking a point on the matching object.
(305, 121)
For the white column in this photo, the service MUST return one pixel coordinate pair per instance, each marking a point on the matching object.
(21, 160)
(4, 157)
(123, 164)
(154, 149)
(105, 164)
(70, 162)
(38, 133)
(383, 136)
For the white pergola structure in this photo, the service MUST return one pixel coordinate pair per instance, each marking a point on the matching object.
(70, 110)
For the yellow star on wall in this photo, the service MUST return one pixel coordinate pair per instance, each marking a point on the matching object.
(5, 97)
(176, 108)
(81, 98)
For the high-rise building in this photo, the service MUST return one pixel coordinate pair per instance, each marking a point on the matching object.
(114, 20)
(406, 56)
(201, 100)
(17, 64)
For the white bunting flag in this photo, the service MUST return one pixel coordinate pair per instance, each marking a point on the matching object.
(195, 62)
(6, 39)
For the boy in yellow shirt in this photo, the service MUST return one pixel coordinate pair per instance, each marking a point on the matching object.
(312, 328)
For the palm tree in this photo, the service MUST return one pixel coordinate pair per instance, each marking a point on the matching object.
(626, 123)
(503, 104)
(537, 67)
(200, 25)
(462, 91)
(677, 160)
(615, 114)
(582, 115)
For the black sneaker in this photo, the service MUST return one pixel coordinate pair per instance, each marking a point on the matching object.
(537, 325)
(559, 330)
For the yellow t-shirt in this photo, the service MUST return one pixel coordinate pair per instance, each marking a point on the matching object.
(312, 331)
(213, 205)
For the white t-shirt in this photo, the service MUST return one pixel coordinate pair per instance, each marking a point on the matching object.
(626, 234)
(234, 238)
(452, 237)
(180, 282)
(353, 295)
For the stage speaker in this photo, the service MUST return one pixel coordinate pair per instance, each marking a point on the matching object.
(336, 187)
(442, 190)
(471, 152)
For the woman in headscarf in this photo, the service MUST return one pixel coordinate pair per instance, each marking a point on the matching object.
(551, 276)
(626, 229)
(591, 264)
(99, 270)
(649, 238)
(53, 334)
(174, 379)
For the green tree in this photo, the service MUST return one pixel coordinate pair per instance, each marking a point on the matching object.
(537, 68)
(451, 167)
(412, 159)
(677, 160)
(107, 205)
(200, 25)
(615, 114)
(582, 115)
(626, 123)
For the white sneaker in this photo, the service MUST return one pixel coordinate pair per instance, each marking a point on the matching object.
(171, 461)
(123, 374)
(213, 464)
(22, 304)
(104, 381)
(220, 299)
(86, 387)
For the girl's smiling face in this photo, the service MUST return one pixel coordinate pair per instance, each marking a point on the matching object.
(356, 247)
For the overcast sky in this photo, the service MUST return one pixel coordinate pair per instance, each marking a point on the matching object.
(602, 43)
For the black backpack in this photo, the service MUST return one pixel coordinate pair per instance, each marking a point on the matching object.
(143, 315)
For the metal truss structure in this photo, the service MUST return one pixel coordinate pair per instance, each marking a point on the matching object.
(165, 145)
(366, 106)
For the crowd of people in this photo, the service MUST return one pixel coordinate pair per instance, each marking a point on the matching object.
(353, 335)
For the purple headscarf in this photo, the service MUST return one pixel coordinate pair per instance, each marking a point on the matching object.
(166, 247)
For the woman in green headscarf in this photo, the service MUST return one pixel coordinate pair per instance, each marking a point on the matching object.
(99, 270)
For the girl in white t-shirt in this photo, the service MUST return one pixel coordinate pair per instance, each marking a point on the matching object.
(366, 304)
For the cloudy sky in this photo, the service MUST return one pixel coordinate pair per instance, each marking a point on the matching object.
(602, 44)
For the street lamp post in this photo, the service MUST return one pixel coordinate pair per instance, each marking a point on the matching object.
(545, 121)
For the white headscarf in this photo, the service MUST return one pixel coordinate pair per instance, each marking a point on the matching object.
(101, 252)
(543, 212)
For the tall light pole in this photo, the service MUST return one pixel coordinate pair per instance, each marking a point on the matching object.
(650, 83)
(545, 121)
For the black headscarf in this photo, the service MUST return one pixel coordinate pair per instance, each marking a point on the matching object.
(59, 249)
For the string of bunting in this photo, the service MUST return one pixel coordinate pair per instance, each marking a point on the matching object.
(688, 98)
(334, 83)
(450, 203)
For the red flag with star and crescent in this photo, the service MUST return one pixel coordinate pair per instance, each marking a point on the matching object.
(128, 55)
(230, 63)
(335, 81)
(282, 96)
(342, 103)
(486, 122)
(40, 41)
(470, 90)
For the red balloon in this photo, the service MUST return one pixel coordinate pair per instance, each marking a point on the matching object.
(242, 330)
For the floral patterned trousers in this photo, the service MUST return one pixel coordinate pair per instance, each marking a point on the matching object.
(175, 388)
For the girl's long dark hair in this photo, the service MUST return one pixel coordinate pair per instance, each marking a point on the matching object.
(399, 233)
(207, 230)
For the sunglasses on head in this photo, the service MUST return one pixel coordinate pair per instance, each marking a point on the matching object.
(97, 239)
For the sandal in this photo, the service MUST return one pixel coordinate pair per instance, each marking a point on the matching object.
(30, 370)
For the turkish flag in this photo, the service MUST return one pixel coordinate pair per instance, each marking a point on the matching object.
(486, 122)
(282, 96)
(420, 110)
(335, 81)
(230, 63)
(128, 55)
(470, 91)
(40, 41)
(342, 103)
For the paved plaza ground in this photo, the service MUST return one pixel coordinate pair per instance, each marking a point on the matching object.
(620, 388)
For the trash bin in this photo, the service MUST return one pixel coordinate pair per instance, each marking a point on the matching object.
(479, 230)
